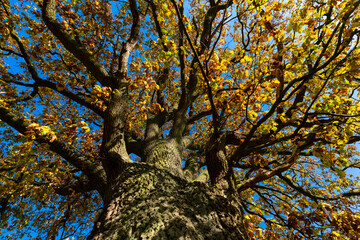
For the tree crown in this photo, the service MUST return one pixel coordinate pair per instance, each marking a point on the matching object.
(261, 95)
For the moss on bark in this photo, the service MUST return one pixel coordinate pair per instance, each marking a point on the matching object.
(151, 203)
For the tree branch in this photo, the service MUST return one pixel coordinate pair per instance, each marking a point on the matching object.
(128, 46)
(113, 148)
(78, 187)
(277, 170)
(39, 82)
(95, 173)
(73, 46)
(186, 95)
(313, 196)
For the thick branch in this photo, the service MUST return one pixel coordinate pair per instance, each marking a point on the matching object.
(73, 46)
(188, 92)
(39, 82)
(95, 173)
(198, 116)
(128, 46)
(134, 145)
(113, 147)
(67, 93)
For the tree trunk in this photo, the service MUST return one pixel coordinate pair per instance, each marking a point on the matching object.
(148, 202)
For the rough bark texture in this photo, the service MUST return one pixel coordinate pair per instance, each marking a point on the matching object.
(151, 203)
(165, 154)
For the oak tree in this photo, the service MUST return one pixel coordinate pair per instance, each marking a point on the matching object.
(172, 119)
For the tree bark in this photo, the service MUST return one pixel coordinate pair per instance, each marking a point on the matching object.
(147, 202)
